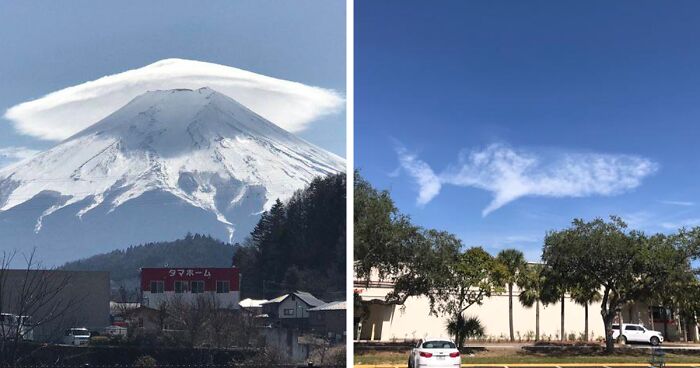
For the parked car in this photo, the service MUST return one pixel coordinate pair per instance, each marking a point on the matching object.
(434, 352)
(76, 336)
(636, 333)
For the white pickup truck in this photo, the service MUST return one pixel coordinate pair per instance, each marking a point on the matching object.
(636, 333)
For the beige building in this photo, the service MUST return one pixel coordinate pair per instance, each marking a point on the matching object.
(389, 322)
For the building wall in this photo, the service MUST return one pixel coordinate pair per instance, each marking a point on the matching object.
(85, 300)
(412, 320)
(638, 313)
(223, 300)
(209, 276)
(332, 321)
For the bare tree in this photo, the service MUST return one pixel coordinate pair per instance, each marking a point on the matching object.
(191, 316)
(30, 298)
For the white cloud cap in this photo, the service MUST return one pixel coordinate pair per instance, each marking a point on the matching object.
(61, 114)
(509, 174)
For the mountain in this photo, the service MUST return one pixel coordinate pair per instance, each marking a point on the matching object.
(296, 245)
(123, 265)
(166, 163)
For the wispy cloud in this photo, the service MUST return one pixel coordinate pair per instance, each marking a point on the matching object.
(10, 155)
(675, 225)
(679, 203)
(428, 182)
(510, 174)
(58, 115)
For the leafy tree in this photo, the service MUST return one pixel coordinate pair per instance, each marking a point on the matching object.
(452, 281)
(669, 254)
(299, 244)
(531, 284)
(462, 328)
(513, 262)
(434, 256)
(625, 265)
(383, 237)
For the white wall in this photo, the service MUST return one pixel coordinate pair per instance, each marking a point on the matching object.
(224, 300)
(412, 320)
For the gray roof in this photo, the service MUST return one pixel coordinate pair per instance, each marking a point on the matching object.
(304, 296)
(338, 305)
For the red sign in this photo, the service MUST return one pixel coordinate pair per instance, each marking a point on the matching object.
(209, 275)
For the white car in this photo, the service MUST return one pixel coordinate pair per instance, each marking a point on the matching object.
(636, 333)
(76, 336)
(434, 352)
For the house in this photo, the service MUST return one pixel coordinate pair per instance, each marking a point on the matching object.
(291, 310)
(162, 285)
(148, 319)
(329, 320)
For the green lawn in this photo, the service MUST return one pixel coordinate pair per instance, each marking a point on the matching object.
(509, 356)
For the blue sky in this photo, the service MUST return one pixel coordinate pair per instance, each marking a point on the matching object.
(48, 46)
(559, 109)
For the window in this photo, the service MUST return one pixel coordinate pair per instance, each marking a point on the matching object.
(180, 287)
(197, 287)
(157, 287)
(289, 312)
(632, 328)
(222, 287)
(438, 345)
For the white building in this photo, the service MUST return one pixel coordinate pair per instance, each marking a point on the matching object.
(159, 285)
(390, 322)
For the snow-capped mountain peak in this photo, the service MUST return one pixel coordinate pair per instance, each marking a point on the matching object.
(196, 147)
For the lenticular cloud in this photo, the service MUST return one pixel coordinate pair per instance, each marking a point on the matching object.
(510, 174)
(58, 115)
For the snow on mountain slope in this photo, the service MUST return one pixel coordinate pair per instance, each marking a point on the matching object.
(196, 148)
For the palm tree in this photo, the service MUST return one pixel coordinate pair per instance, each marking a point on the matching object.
(585, 296)
(462, 328)
(513, 262)
(531, 283)
(554, 290)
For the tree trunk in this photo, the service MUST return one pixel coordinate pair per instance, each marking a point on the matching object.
(585, 311)
(665, 325)
(607, 322)
(537, 320)
(563, 337)
(510, 311)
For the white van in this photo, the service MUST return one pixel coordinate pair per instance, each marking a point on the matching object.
(76, 336)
